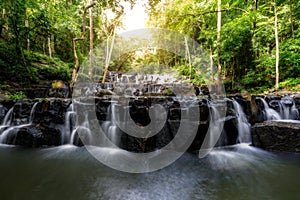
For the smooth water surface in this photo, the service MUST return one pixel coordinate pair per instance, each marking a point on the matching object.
(68, 172)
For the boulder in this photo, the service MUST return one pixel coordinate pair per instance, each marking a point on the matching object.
(277, 135)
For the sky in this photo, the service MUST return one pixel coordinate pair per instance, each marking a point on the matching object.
(135, 18)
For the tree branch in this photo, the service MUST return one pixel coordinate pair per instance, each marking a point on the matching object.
(76, 68)
(214, 11)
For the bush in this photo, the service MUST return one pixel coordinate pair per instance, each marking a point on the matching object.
(290, 82)
(16, 95)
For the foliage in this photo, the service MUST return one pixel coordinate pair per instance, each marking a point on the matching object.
(31, 31)
(16, 95)
(289, 82)
(247, 45)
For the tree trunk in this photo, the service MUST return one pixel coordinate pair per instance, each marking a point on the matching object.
(74, 40)
(211, 63)
(277, 46)
(44, 48)
(291, 18)
(189, 57)
(49, 47)
(28, 40)
(91, 40)
(52, 44)
(219, 36)
(108, 55)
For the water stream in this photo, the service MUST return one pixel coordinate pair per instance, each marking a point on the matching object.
(12, 129)
(68, 172)
(269, 113)
(243, 124)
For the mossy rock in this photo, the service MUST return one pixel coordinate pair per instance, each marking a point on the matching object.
(104, 92)
(168, 92)
(57, 84)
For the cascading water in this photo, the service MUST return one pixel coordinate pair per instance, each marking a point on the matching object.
(243, 125)
(5, 134)
(109, 126)
(66, 136)
(32, 112)
(8, 117)
(269, 113)
(288, 108)
(214, 126)
(83, 131)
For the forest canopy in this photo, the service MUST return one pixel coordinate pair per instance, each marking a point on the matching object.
(254, 44)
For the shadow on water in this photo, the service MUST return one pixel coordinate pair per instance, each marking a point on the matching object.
(69, 172)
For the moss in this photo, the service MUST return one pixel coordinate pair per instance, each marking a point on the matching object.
(104, 92)
(57, 84)
(16, 95)
(168, 92)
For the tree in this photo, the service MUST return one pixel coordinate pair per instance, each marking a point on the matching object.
(277, 45)
(219, 36)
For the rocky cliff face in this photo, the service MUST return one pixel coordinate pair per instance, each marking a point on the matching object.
(52, 122)
(43, 123)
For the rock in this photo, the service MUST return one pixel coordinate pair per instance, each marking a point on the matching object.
(34, 136)
(104, 92)
(3, 112)
(29, 136)
(297, 101)
(59, 89)
(277, 135)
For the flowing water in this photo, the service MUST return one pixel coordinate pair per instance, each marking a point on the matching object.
(242, 123)
(269, 113)
(69, 172)
(7, 121)
(287, 109)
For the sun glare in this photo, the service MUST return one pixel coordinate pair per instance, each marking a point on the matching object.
(136, 17)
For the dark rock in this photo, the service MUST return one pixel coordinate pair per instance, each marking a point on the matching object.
(29, 136)
(277, 136)
(297, 101)
(3, 112)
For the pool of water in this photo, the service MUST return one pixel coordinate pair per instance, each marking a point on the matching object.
(68, 172)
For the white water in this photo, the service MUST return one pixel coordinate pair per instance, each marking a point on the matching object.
(83, 131)
(7, 122)
(109, 126)
(269, 113)
(68, 129)
(214, 130)
(8, 117)
(286, 111)
(4, 135)
(243, 124)
(32, 112)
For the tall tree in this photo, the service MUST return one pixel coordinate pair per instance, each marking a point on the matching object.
(219, 35)
(91, 38)
(277, 45)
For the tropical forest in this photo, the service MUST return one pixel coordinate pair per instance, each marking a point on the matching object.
(149, 99)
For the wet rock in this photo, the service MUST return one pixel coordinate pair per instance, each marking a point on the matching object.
(277, 135)
(29, 136)
(3, 112)
(33, 136)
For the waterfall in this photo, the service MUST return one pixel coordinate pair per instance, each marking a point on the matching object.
(68, 128)
(7, 122)
(8, 117)
(83, 131)
(243, 125)
(109, 126)
(269, 113)
(214, 127)
(288, 108)
(31, 116)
